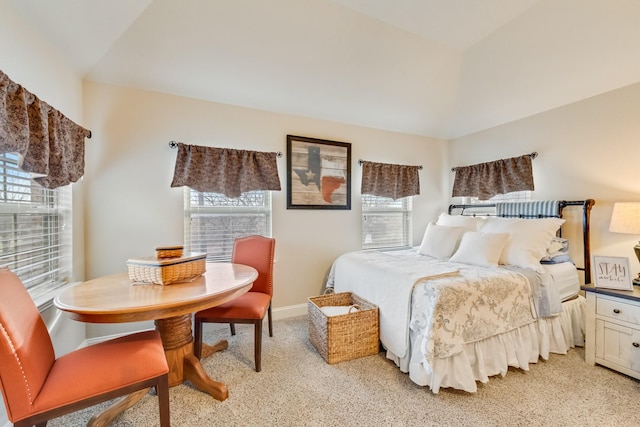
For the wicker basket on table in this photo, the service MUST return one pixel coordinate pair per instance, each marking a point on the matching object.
(169, 251)
(347, 336)
(164, 271)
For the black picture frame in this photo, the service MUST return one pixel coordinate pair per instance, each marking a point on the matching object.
(318, 173)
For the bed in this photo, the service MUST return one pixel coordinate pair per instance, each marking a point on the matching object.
(487, 289)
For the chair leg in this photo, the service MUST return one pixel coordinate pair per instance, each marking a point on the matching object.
(233, 328)
(257, 349)
(162, 390)
(197, 338)
(24, 423)
(270, 321)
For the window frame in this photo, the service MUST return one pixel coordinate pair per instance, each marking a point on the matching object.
(405, 209)
(230, 208)
(36, 233)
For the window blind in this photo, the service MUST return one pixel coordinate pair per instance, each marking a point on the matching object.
(386, 223)
(213, 221)
(514, 196)
(35, 229)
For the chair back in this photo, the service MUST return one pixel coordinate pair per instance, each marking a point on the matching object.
(257, 252)
(26, 351)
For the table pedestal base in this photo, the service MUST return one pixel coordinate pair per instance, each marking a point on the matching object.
(177, 339)
(105, 418)
(208, 350)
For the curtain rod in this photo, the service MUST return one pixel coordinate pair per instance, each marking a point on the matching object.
(174, 144)
(360, 162)
(532, 155)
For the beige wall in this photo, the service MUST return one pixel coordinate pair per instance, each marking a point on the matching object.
(589, 149)
(30, 61)
(130, 207)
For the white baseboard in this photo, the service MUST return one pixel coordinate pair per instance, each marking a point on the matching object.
(96, 340)
(289, 311)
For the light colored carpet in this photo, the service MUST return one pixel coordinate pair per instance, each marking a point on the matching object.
(297, 388)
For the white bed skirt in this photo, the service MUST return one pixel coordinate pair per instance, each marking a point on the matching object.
(492, 356)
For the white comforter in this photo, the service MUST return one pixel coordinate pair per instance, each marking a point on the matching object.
(455, 303)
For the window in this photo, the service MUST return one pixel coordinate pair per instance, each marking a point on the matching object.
(213, 221)
(386, 223)
(514, 196)
(35, 229)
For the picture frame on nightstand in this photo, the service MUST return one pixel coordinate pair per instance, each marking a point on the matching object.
(612, 272)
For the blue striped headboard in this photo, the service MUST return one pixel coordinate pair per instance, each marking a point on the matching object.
(535, 209)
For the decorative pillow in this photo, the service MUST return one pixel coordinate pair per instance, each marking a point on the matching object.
(529, 239)
(557, 252)
(479, 248)
(470, 223)
(558, 246)
(556, 259)
(440, 241)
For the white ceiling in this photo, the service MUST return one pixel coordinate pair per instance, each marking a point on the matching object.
(441, 68)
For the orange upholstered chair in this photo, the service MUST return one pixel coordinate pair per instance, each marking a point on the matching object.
(38, 387)
(251, 307)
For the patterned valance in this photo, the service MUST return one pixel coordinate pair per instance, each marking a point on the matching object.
(387, 180)
(49, 144)
(225, 170)
(486, 180)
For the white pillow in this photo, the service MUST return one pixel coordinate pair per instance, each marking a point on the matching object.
(480, 248)
(529, 239)
(470, 223)
(440, 241)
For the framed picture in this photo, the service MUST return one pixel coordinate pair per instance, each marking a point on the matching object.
(612, 272)
(318, 173)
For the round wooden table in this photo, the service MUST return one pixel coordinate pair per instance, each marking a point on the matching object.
(116, 299)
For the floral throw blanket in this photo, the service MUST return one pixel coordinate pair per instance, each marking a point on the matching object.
(453, 303)
(480, 303)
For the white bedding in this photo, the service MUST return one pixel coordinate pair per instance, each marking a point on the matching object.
(565, 279)
(493, 356)
(452, 324)
(495, 300)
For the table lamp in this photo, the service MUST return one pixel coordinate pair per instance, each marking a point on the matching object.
(626, 219)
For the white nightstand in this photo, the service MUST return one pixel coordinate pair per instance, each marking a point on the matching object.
(613, 329)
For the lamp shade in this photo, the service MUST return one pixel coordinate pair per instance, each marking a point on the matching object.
(625, 218)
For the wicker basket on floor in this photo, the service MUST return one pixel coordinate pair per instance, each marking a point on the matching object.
(343, 337)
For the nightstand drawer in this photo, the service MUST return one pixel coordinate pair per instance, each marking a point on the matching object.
(615, 309)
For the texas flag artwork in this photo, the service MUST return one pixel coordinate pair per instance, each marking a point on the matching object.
(318, 173)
